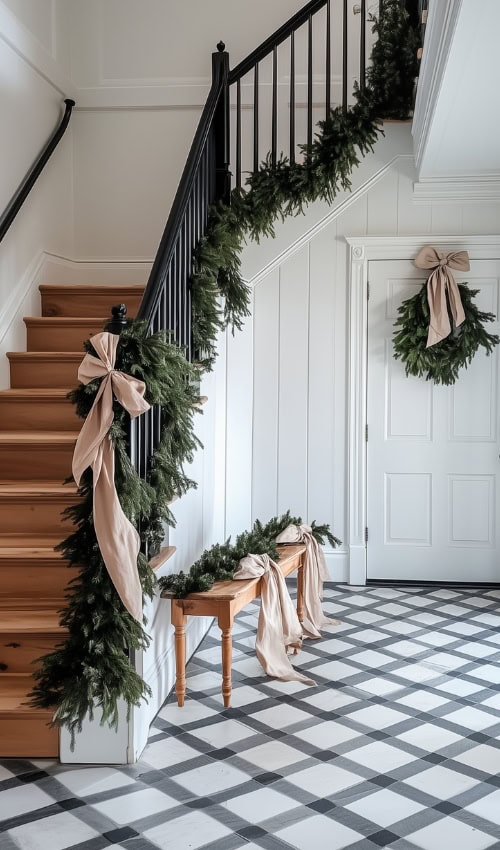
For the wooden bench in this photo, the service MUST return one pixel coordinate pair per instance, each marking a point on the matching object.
(224, 600)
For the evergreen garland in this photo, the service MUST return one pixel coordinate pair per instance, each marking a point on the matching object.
(221, 561)
(285, 188)
(442, 362)
(91, 668)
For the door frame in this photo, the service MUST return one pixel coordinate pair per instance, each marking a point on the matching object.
(363, 249)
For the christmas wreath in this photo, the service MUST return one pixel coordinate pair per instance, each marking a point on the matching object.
(440, 329)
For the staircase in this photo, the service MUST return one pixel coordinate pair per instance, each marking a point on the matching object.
(38, 430)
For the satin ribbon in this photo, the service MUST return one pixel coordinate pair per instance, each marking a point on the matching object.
(314, 573)
(278, 627)
(442, 289)
(118, 540)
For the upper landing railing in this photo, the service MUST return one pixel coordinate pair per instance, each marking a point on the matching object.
(269, 102)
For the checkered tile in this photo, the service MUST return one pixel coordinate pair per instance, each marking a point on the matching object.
(397, 745)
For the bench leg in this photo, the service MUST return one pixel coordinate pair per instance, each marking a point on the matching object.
(300, 593)
(226, 625)
(179, 620)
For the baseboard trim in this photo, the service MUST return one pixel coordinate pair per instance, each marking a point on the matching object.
(13, 305)
(467, 585)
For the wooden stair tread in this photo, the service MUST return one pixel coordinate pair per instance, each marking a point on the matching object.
(58, 321)
(14, 690)
(27, 553)
(45, 437)
(38, 393)
(162, 557)
(30, 620)
(89, 288)
(77, 356)
(36, 488)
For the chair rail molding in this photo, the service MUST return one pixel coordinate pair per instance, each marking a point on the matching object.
(363, 249)
(457, 190)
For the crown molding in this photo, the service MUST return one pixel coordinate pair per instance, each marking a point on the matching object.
(460, 190)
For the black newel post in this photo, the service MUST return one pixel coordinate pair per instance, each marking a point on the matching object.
(220, 71)
(118, 319)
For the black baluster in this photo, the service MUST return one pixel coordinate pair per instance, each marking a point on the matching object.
(274, 116)
(344, 58)
(309, 85)
(238, 134)
(292, 97)
(256, 118)
(328, 96)
(362, 47)
(222, 128)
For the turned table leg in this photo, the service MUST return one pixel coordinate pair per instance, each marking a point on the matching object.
(179, 620)
(226, 625)
(300, 594)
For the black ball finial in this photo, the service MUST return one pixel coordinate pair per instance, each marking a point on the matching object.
(118, 319)
(221, 47)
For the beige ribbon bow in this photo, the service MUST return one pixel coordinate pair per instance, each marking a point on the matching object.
(314, 572)
(440, 283)
(278, 627)
(118, 540)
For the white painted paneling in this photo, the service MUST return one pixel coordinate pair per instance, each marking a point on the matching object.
(266, 393)
(239, 354)
(322, 403)
(309, 381)
(293, 383)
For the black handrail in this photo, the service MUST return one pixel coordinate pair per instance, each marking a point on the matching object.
(275, 39)
(178, 210)
(29, 181)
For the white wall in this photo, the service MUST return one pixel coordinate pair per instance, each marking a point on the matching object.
(30, 106)
(287, 373)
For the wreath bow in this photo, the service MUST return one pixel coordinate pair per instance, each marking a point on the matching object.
(442, 290)
(118, 540)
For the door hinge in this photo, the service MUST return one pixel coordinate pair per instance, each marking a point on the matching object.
(366, 433)
(366, 534)
(368, 291)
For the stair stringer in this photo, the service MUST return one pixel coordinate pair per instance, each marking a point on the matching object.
(260, 259)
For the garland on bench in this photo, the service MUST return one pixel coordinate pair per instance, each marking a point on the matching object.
(221, 561)
(91, 669)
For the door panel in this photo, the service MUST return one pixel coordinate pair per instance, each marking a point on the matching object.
(433, 452)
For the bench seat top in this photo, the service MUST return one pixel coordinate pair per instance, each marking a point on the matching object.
(289, 559)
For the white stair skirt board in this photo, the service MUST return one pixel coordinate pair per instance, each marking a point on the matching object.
(98, 744)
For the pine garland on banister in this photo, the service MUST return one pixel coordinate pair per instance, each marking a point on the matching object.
(221, 561)
(275, 192)
(91, 668)
(441, 362)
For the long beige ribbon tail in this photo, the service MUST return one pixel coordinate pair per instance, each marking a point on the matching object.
(118, 540)
(315, 573)
(441, 289)
(278, 628)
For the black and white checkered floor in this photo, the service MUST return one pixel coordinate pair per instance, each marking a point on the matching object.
(398, 745)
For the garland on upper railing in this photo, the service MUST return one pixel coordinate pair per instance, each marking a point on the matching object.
(91, 669)
(221, 561)
(275, 192)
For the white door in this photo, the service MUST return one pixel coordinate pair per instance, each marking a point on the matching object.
(433, 467)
